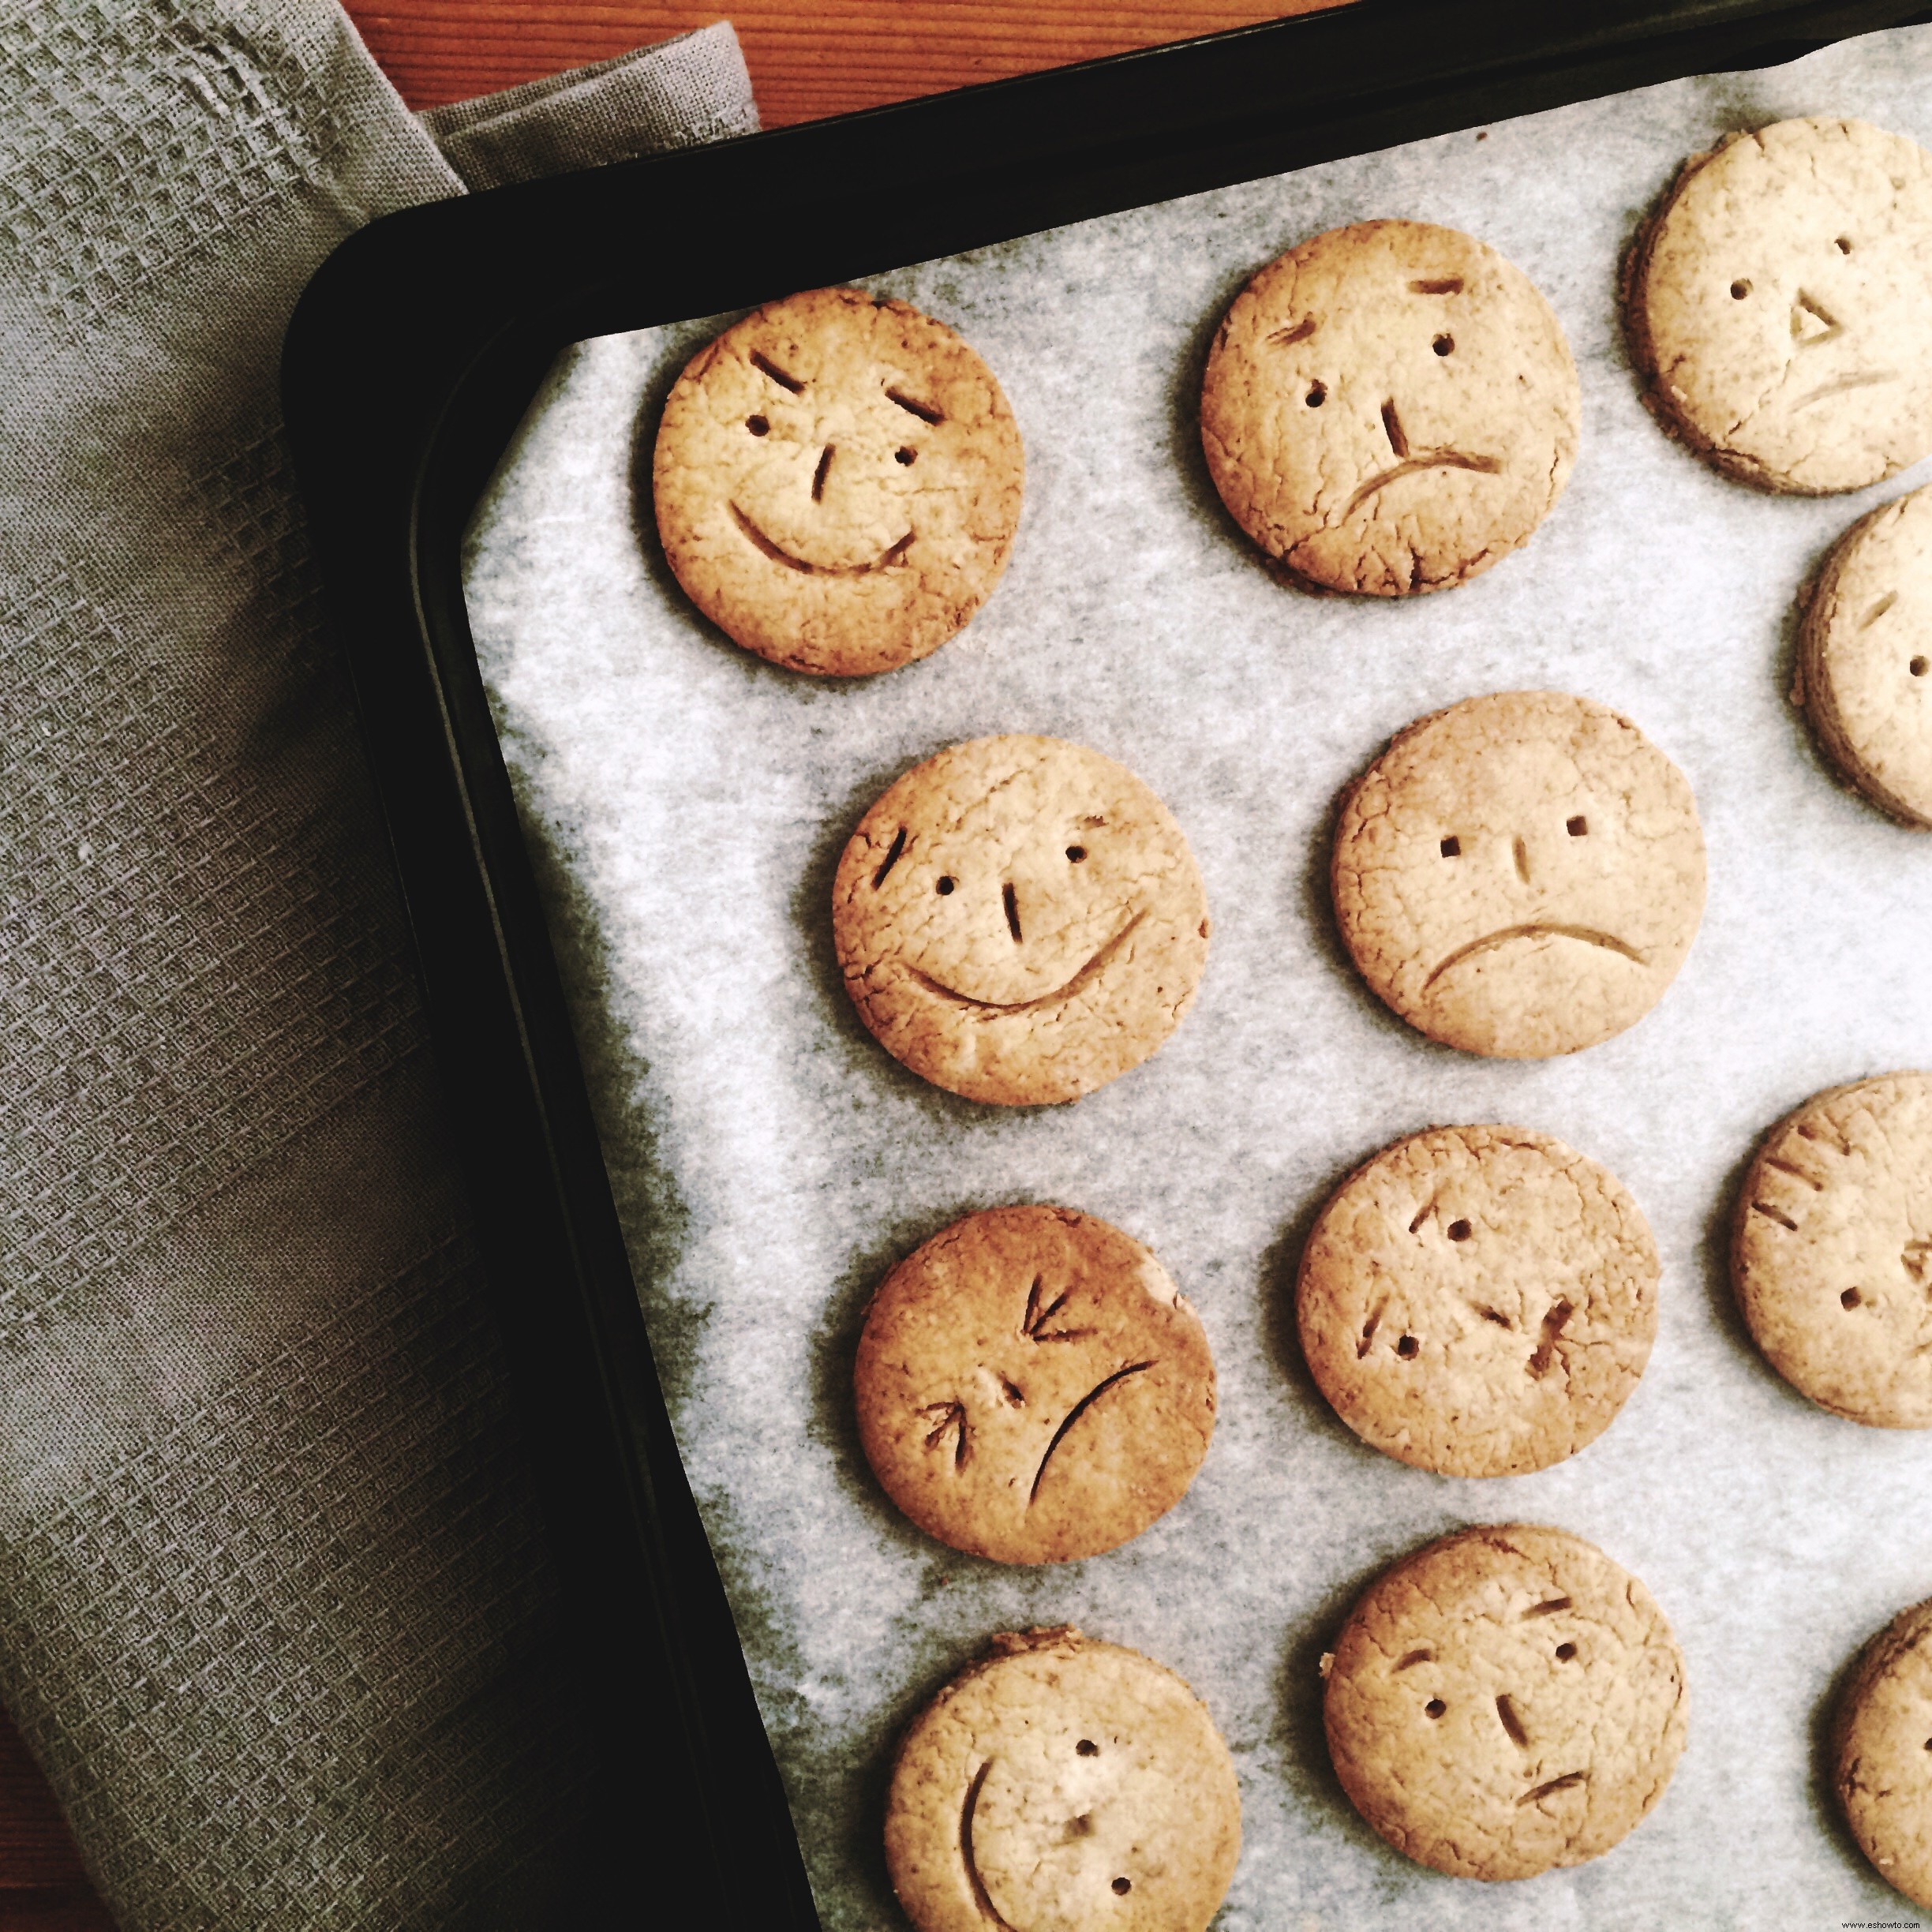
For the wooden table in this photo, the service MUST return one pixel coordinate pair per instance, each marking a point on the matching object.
(808, 58)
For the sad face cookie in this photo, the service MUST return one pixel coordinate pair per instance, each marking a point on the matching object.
(1831, 1255)
(1031, 1386)
(1882, 1749)
(1865, 666)
(1505, 1701)
(837, 482)
(1780, 306)
(1067, 1784)
(1520, 875)
(1019, 920)
(1390, 408)
(1478, 1301)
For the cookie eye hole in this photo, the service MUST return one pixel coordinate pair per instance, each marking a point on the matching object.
(1842, 245)
(1087, 1748)
(1577, 827)
(1565, 1652)
(907, 456)
(1917, 667)
(759, 425)
(1452, 848)
(1459, 1230)
(1406, 1347)
(1317, 395)
(1739, 290)
(944, 885)
(1434, 1707)
(1076, 854)
(1123, 1886)
(1851, 1299)
(1443, 345)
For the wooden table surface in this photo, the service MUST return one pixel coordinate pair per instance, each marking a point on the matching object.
(807, 58)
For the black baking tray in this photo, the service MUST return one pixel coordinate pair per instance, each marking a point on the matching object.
(409, 361)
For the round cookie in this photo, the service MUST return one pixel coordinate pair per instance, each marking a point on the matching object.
(1067, 1784)
(1031, 1386)
(1478, 1301)
(1830, 1252)
(1520, 875)
(1779, 310)
(1506, 1700)
(838, 480)
(1881, 1753)
(1865, 660)
(1020, 920)
(1390, 408)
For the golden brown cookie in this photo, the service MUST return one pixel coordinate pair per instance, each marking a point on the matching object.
(1020, 920)
(1831, 1252)
(1881, 1753)
(1390, 408)
(1520, 875)
(1778, 305)
(1478, 1301)
(838, 480)
(1066, 1784)
(1504, 1700)
(1031, 1386)
(1865, 662)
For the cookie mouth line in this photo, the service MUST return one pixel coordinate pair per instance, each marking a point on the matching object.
(1608, 942)
(1074, 1414)
(1866, 378)
(1569, 1781)
(1083, 977)
(1437, 459)
(981, 1896)
(894, 553)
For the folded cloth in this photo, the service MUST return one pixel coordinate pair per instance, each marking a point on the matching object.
(276, 1615)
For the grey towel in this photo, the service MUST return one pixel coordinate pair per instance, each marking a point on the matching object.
(275, 1611)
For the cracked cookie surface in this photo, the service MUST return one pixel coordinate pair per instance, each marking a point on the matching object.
(1520, 875)
(1030, 1386)
(838, 480)
(1478, 1301)
(1831, 1251)
(1390, 408)
(1019, 920)
(1881, 1753)
(1505, 1701)
(1062, 1782)
(1865, 658)
(1778, 305)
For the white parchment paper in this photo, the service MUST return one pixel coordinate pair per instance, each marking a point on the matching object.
(688, 804)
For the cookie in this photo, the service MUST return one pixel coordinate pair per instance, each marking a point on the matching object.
(1881, 1753)
(1478, 1301)
(1065, 1783)
(1779, 308)
(1031, 1386)
(1831, 1251)
(1520, 875)
(838, 480)
(1505, 1701)
(1019, 921)
(1865, 658)
(1390, 408)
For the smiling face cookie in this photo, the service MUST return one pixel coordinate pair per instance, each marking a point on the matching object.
(837, 482)
(1505, 1701)
(1390, 408)
(1067, 1784)
(1031, 1387)
(1881, 1746)
(1865, 658)
(1832, 1253)
(1520, 875)
(1478, 1301)
(1019, 920)
(1780, 306)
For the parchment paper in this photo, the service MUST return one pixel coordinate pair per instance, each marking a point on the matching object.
(688, 803)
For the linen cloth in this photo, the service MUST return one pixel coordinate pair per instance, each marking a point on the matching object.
(276, 1615)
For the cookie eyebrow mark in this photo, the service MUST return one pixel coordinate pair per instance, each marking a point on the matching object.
(1016, 1397)
(1447, 285)
(892, 859)
(1392, 429)
(1545, 1349)
(1831, 1139)
(1608, 942)
(1442, 459)
(1869, 379)
(1505, 1712)
(1373, 1322)
(1030, 1323)
(1424, 1656)
(1568, 1781)
(1301, 332)
(981, 1897)
(1074, 1414)
(818, 475)
(952, 1415)
(924, 411)
(1916, 1257)
(1547, 1609)
(1772, 1213)
(1011, 900)
(765, 366)
(1797, 1174)
(1878, 610)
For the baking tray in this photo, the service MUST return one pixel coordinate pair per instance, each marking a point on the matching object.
(409, 363)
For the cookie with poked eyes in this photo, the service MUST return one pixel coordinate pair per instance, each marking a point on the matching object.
(838, 480)
(1390, 408)
(1520, 875)
(1020, 920)
(1062, 1783)
(1505, 1701)
(1778, 305)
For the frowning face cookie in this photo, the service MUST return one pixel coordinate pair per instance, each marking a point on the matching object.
(1883, 1760)
(1780, 305)
(1390, 408)
(1019, 920)
(1031, 1386)
(837, 482)
(1520, 875)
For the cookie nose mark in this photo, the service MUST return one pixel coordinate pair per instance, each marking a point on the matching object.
(1392, 429)
(1506, 1713)
(1811, 323)
(1568, 1781)
(818, 475)
(1553, 1324)
(1011, 899)
(1523, 861)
